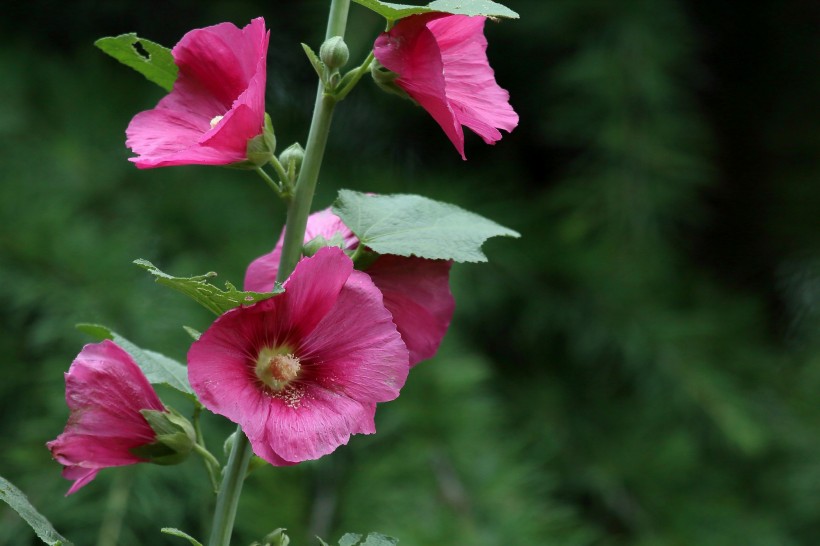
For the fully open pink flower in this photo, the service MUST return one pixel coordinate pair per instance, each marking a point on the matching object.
(416, 290)
(217, 103)
(105, 391)
(303, 370)
(442, 64)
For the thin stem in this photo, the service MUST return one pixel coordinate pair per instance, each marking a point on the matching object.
(228, 498)
(273, 185)
(211, 464)
(360, 71)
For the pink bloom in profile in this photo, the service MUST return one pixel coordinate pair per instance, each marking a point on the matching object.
(217, 103)
(416, 291)
(441, 62)
(105, 391)
(302, 371)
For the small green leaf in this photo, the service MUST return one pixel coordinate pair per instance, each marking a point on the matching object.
(192, 332)
(315, 62)
(378, 539)
(411, 225)
(158, 66)
(158, 368)
(38, 522)
(350, 539)
(200, 290)
(177, 533)
(394, 12)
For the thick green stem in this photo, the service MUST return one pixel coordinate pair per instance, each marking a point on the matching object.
(298, 209)
(314, 151)
(228, 498)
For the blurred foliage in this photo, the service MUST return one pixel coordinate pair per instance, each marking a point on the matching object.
(641, 368)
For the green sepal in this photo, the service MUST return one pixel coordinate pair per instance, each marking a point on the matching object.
(195, 334)
(181, 534)
(18, 502)
(206, 294)
(385, 79)
(412, 225)
(158, 67)
(394, 12)
(312, 247)
(174, 441)
(158, 368)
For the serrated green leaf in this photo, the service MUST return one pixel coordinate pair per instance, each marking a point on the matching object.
(394, 12)
(378, 539)
(158, 368)
(38, 522)
(203, 292)
(350, 539)
(181, 534)
(158, 67)
(412, 225)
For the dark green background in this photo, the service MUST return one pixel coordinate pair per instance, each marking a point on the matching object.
(641, 368)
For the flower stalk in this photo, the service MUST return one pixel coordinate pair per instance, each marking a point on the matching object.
(298, 210)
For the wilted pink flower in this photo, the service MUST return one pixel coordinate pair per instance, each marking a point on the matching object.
(217, 103)
(105, 391)
(303, 370)
(416, 290)
(442, 64)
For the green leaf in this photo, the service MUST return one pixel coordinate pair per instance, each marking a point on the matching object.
(200, 290)
(177, 533)
(393, 12)
(38, 522)
(378, 539)
(158, 66)
(411, 225)
(158, 368)
(350, 539)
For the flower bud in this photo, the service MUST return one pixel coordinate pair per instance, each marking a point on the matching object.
(293, 153)
(334, 53)
(175, 437)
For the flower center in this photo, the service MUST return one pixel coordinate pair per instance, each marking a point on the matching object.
(277, 367)
(216, 120)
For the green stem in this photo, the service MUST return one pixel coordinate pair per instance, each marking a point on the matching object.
(299, 208)
(269, 181)
(211, 464)
(228, 497)
(360, 71)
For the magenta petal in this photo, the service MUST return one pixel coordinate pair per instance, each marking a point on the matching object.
(105, 391)
(417, 292)
(221, 73)
(441, 62)
(332, 320)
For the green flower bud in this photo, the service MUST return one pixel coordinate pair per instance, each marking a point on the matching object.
(334, 53)
(293, 153)
(175, 437)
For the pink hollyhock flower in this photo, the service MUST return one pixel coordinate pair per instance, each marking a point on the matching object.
(217, 103)
(416, 291)
(302, 371)
(105, 391)
(442, 64)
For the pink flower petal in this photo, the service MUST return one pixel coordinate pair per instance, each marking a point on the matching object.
(333, 321)
(442, 63)
(222, 72)
(416, 291)
(105, 391)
